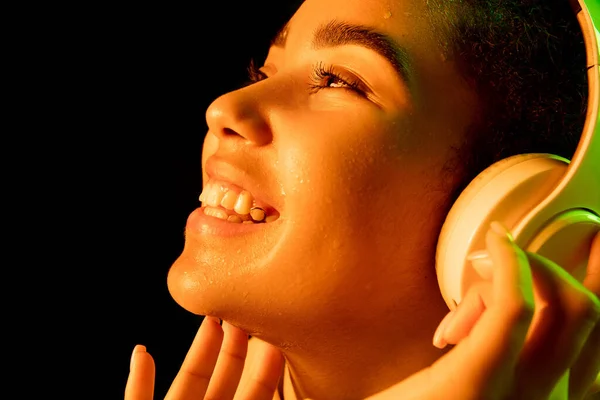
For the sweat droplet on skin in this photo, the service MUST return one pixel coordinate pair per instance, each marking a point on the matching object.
(387, 15)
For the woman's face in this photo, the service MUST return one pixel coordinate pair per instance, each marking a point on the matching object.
(347, 139)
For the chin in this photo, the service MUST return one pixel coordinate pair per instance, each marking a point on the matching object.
(205, 283)
(187, 289)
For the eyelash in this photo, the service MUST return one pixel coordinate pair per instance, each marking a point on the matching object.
(254, 74)
(321, 77)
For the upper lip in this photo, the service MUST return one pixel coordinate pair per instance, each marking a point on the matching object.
(219, 169)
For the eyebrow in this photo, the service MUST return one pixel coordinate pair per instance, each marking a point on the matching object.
(336, 33)
(281, 37)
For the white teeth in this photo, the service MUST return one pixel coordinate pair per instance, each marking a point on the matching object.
(271, 218)
(229, 200)
(215, 195)
(235, 219)
(257, 214)
(221, 200)
(243, 203)
(215, 212)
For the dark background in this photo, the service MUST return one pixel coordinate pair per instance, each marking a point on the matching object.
(105, 172)
(149, 74)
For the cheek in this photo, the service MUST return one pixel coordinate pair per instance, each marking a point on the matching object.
(344, 162)
(364, 176)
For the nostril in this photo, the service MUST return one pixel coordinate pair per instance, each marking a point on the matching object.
(230, 132)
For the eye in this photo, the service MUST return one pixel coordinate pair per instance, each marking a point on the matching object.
(254, 74)
(322, 77)
(325, 77)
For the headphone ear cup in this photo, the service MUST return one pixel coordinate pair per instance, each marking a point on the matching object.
(505, 192)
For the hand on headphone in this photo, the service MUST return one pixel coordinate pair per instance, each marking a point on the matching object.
(517, 333)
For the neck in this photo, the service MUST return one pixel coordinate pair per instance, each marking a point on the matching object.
(345, 364)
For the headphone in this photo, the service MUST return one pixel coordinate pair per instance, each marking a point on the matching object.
(551, 206)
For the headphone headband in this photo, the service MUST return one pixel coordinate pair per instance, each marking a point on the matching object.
(576, 186)
(550, 205)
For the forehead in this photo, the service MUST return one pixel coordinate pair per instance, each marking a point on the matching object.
(403, 20)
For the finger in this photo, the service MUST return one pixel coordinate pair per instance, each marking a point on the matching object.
(140, 383)
(438, 337)
(193, 378)
(586, 368)
(592, 277)
(468, 312)
(230, 364)
(564, 318)
(511, 307)
(594, 390)
(457, 325)
(489, 354)
(263, 384)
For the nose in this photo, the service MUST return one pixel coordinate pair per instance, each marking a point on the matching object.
(241, 113)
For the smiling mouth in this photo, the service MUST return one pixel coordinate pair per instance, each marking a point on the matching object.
(256, 215)
(232, 204)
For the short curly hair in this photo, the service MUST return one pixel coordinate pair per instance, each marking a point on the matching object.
(525, 59)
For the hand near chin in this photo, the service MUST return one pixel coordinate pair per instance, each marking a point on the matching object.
(212, 368)
(530, 331)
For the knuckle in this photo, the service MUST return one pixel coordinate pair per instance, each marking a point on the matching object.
(198, 376)
(585, 308)
(520, 310)
(235, 355)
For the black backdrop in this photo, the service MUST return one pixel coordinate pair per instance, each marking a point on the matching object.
(108, 178)
(155, 70)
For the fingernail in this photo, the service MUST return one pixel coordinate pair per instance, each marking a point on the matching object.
(501, 230)
(137, 349)
(215, 319)
(438, 336)
(482, 263)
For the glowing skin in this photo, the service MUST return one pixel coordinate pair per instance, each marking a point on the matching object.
(345, 278)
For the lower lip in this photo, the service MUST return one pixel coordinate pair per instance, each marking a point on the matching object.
(207, 225)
